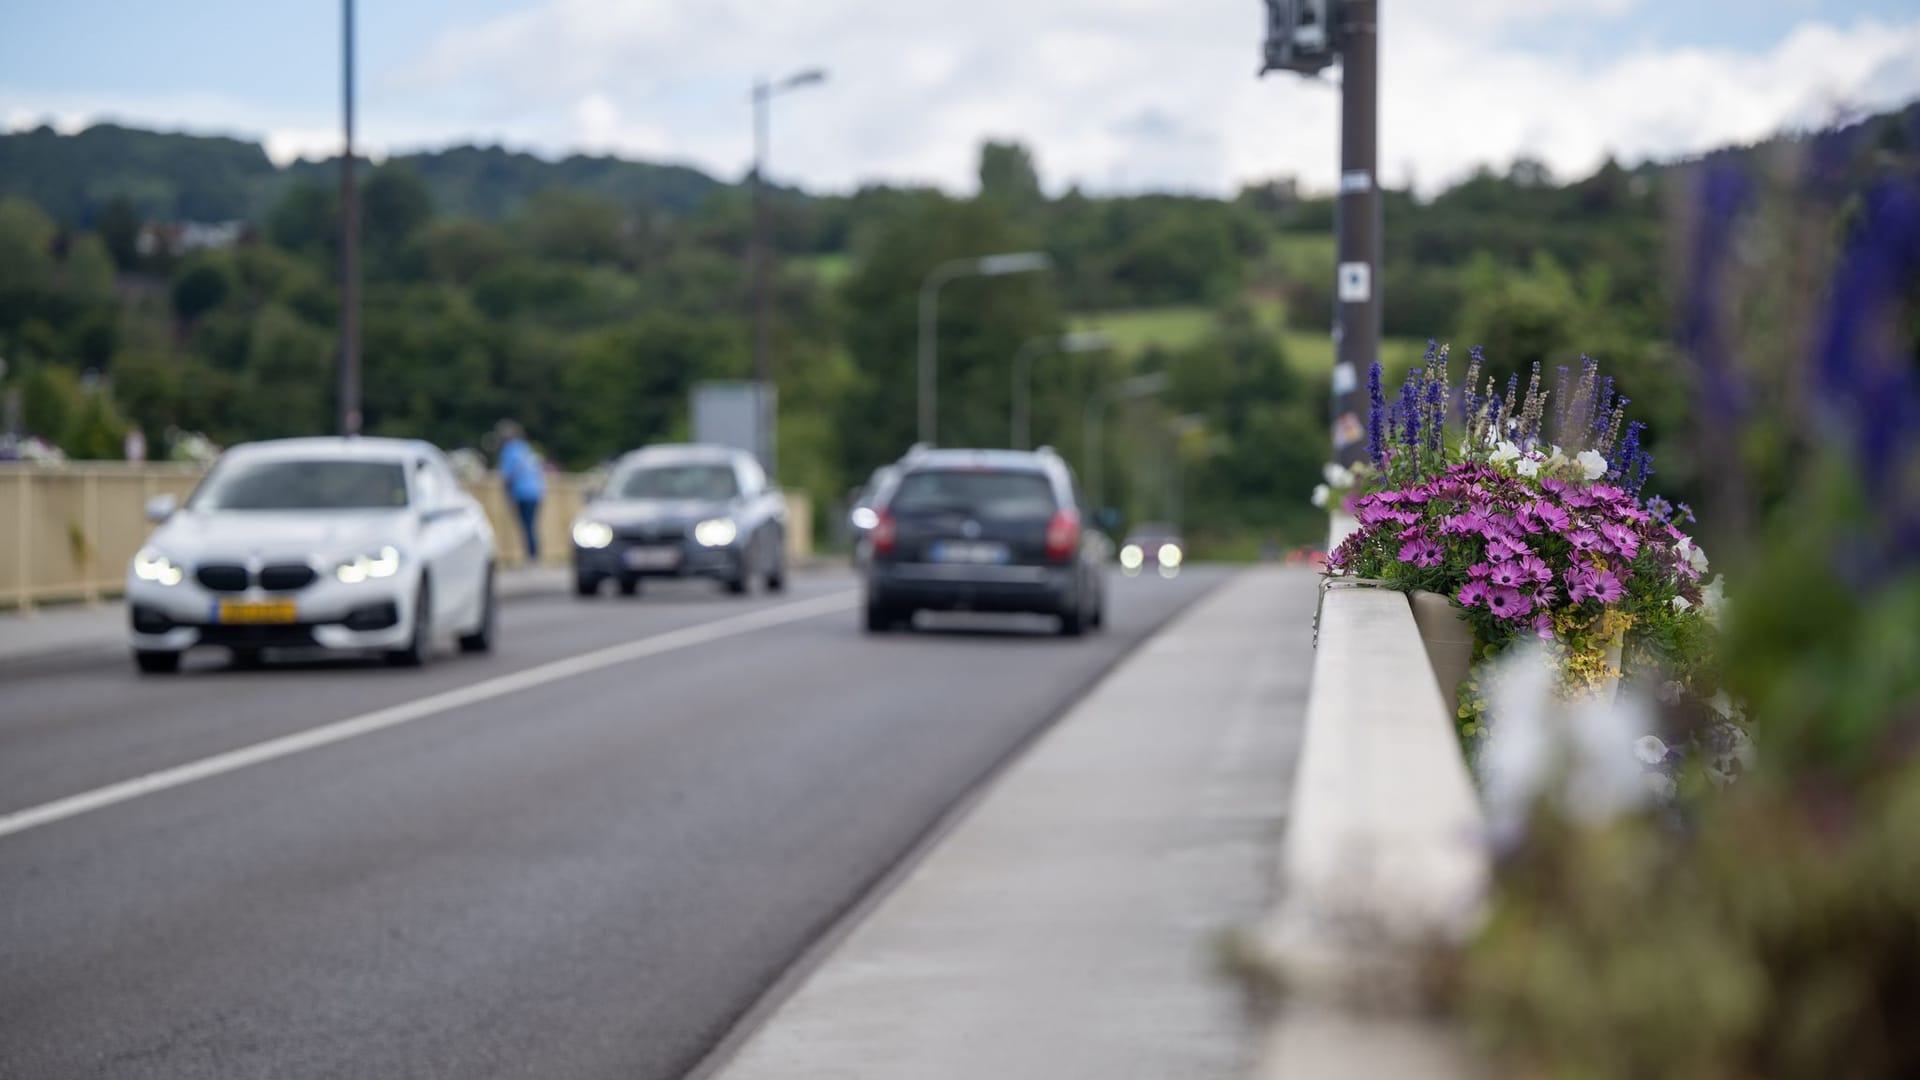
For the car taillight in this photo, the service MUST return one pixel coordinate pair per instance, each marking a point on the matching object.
(1063, 535)
(882, 534)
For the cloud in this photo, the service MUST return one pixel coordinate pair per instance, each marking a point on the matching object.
(1133, 94)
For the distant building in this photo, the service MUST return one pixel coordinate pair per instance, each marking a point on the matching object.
(185, 237)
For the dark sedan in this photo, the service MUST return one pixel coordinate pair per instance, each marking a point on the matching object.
(985, 530)
(682, 511)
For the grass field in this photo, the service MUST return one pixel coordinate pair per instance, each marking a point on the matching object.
(1134, 330)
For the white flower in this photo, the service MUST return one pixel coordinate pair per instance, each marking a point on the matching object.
(1320, 493)
(1713, 598)
(1724, 705)
(1556, 459)
(1337, 475)
(1592, 465)
(1649, 749)
(1505, 452)
(1698, 560)
(1527, 467)
(1663, 787)
(1681, 603)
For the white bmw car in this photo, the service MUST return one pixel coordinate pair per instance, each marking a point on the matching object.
(332, 543)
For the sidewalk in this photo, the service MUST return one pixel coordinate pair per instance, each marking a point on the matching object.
(84, 629)
(1068, 926)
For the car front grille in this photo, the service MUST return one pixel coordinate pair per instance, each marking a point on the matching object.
(286, 577)
(223, 577)
(652, 534)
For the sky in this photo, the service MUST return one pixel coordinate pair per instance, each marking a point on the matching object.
(1111, 95)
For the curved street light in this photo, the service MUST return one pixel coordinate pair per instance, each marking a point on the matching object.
(1020, 426)
(762, 269)
(1013, 262)
(1137, 387)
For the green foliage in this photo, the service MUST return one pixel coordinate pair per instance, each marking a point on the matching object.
(200, 287)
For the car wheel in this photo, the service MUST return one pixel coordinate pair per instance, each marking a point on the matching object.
(630, 585)
(883, 619)
(156, 661)
(777, 575)
(421, 646)
(586, 585)
(1073, 621)
(481, 640)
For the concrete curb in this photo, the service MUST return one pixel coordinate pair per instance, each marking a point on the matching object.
(1384, 862)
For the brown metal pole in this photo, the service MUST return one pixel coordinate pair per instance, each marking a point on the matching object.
(349, 249)
(1356, 322)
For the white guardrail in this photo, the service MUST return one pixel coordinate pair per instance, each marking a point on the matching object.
(1384, 860)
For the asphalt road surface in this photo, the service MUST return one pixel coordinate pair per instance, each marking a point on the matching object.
(586, 855)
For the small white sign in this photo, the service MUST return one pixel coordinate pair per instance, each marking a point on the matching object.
(1356, 282)
(1344, 379)
(1356, 180)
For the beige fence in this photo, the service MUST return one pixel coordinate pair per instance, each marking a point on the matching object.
(67, 532)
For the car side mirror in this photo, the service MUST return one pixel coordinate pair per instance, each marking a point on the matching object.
(161, 507)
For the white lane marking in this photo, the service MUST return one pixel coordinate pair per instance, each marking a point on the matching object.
(394, 715)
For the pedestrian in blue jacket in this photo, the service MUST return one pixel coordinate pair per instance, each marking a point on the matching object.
(525, 480)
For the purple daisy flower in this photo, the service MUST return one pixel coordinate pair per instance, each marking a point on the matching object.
(1584, 540)
(1480, 571)
(1535, 569)
(1622, 538)
(1543, 626)
(1579, 581)
(1421, 552)
(1507, 575)
(1508, 603)
(1550, 515)
(1607, 587)
(1503, 548)
(1473, 593)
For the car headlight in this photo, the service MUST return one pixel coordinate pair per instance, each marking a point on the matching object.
(380, 564)
(1131, 556)
(716, 533)
(1170, 555)
(150, 565)
(592, 534)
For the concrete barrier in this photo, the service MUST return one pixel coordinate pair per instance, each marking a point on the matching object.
(68, 531)
(1384, 864)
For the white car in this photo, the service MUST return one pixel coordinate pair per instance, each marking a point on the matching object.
(331, 543)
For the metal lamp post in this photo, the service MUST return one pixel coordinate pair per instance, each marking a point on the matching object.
(1137, 387)
(349, 374)
(1017, 262)
(762, 270)
(1020, 426)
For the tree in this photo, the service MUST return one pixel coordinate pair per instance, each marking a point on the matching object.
(119, 227)
(1008, 177)
(200, 288)
(394, 205)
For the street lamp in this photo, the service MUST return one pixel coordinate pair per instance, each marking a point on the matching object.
(1137, 387)
(763, 94)
(1020, 428)
(1016, 262)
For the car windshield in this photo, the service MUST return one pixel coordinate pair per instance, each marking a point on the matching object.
(1001, 495)
(711, 482)
(294, 484)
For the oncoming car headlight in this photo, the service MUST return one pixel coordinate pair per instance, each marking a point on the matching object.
(716, 533)
(1170, 556)
(381, 564)
(1131, 557)
(150, 565)
(592, 534)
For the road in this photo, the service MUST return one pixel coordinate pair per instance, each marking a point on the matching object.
(586, 855)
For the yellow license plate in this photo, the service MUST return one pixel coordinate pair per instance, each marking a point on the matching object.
(255, 612)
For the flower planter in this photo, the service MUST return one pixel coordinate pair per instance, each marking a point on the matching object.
(1449, 640)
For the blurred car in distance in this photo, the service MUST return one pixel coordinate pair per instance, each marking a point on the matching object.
(984, 530)
(1153, 545)
(333, 543)
(682, 511)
